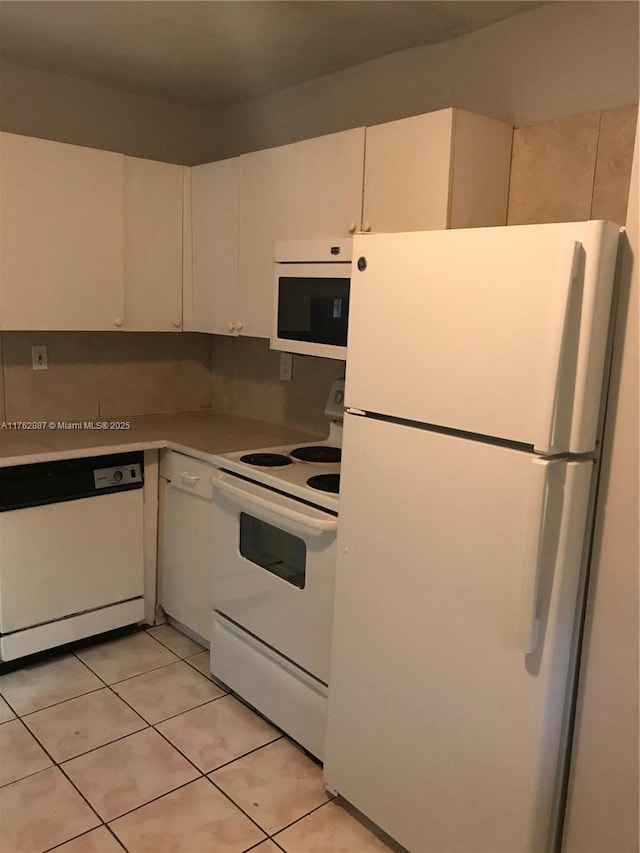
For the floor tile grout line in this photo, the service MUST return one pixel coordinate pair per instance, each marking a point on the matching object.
(186, 711)
(157, 669)
(82, 834)
(62, 701)
(107, 743)
(298, 819)
(162, 624)
(245, 754)
(233, 803)
(42, 746)
(111, 820)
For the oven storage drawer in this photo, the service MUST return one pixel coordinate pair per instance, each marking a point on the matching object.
(186, 473)
(289, 697)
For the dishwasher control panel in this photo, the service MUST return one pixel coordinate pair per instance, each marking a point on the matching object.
(121, 475)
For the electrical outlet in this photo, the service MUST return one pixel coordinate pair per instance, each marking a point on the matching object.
(286, 366)
(39, 358)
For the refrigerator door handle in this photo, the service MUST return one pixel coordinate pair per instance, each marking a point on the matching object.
(533, 556)
(543, 431)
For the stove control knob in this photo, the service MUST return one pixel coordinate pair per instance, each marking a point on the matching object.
(117, 476)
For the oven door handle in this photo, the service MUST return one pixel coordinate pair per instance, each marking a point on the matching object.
(310, 523)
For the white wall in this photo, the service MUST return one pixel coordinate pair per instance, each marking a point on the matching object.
(556, 61)
(602, 809)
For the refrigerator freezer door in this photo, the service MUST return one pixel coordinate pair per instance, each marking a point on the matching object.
(495, 331)
(441, 729)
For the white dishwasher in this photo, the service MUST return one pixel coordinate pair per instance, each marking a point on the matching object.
(71, 551)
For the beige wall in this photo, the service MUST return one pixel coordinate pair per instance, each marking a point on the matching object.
(558, 60)
(602, 810)
(537, 66)
(104, 374)
(37, 103)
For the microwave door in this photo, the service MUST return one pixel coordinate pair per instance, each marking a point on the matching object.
(311, 309)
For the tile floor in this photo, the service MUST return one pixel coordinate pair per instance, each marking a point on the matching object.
(131, 745)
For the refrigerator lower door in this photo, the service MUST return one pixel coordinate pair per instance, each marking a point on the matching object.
(455, 558)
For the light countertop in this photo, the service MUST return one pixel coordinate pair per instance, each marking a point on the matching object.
(200, 434)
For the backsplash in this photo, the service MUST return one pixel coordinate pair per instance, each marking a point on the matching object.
(246, 383)
(574, 169)
(95, 375)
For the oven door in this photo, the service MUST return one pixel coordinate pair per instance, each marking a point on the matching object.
(311, 309)
(274, 569)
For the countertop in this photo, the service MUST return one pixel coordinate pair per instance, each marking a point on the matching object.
(200, 434)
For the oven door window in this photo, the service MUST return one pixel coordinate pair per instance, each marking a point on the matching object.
(313, 309)
(273, 549)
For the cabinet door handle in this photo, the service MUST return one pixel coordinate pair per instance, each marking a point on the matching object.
(177, 324)
(232, 327)
(352, 227)
(118, 321)
(189, 479)
(366, 226)
(239, 326)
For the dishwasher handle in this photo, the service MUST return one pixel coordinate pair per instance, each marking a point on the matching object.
(314, 522)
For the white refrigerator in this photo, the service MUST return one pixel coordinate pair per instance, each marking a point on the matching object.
(475, 369)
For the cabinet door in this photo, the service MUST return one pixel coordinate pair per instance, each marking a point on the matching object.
(62, 236)
(215, 199)
(328, 185)
(184, 583)
(407, 173)
(152, 245)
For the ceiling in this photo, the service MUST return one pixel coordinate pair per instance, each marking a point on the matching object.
(217, 53)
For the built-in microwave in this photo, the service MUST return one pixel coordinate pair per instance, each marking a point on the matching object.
(311, 297)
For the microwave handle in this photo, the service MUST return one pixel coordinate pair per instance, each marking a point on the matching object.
(239, 495)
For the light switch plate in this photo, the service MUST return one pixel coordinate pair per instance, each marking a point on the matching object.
(286, 366)
(39, 358)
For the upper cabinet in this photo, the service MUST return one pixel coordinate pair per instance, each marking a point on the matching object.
(153, 204)
(446, 169)
(91, 240)
(61, 236)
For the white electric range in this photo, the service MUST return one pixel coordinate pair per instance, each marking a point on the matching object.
(274, 526)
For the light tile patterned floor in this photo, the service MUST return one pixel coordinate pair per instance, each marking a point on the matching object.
(131, 745)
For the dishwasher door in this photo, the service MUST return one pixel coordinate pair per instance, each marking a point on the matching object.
(65, 558)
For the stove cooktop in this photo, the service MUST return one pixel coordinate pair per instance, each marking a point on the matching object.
(310, 472)
(281, 468)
